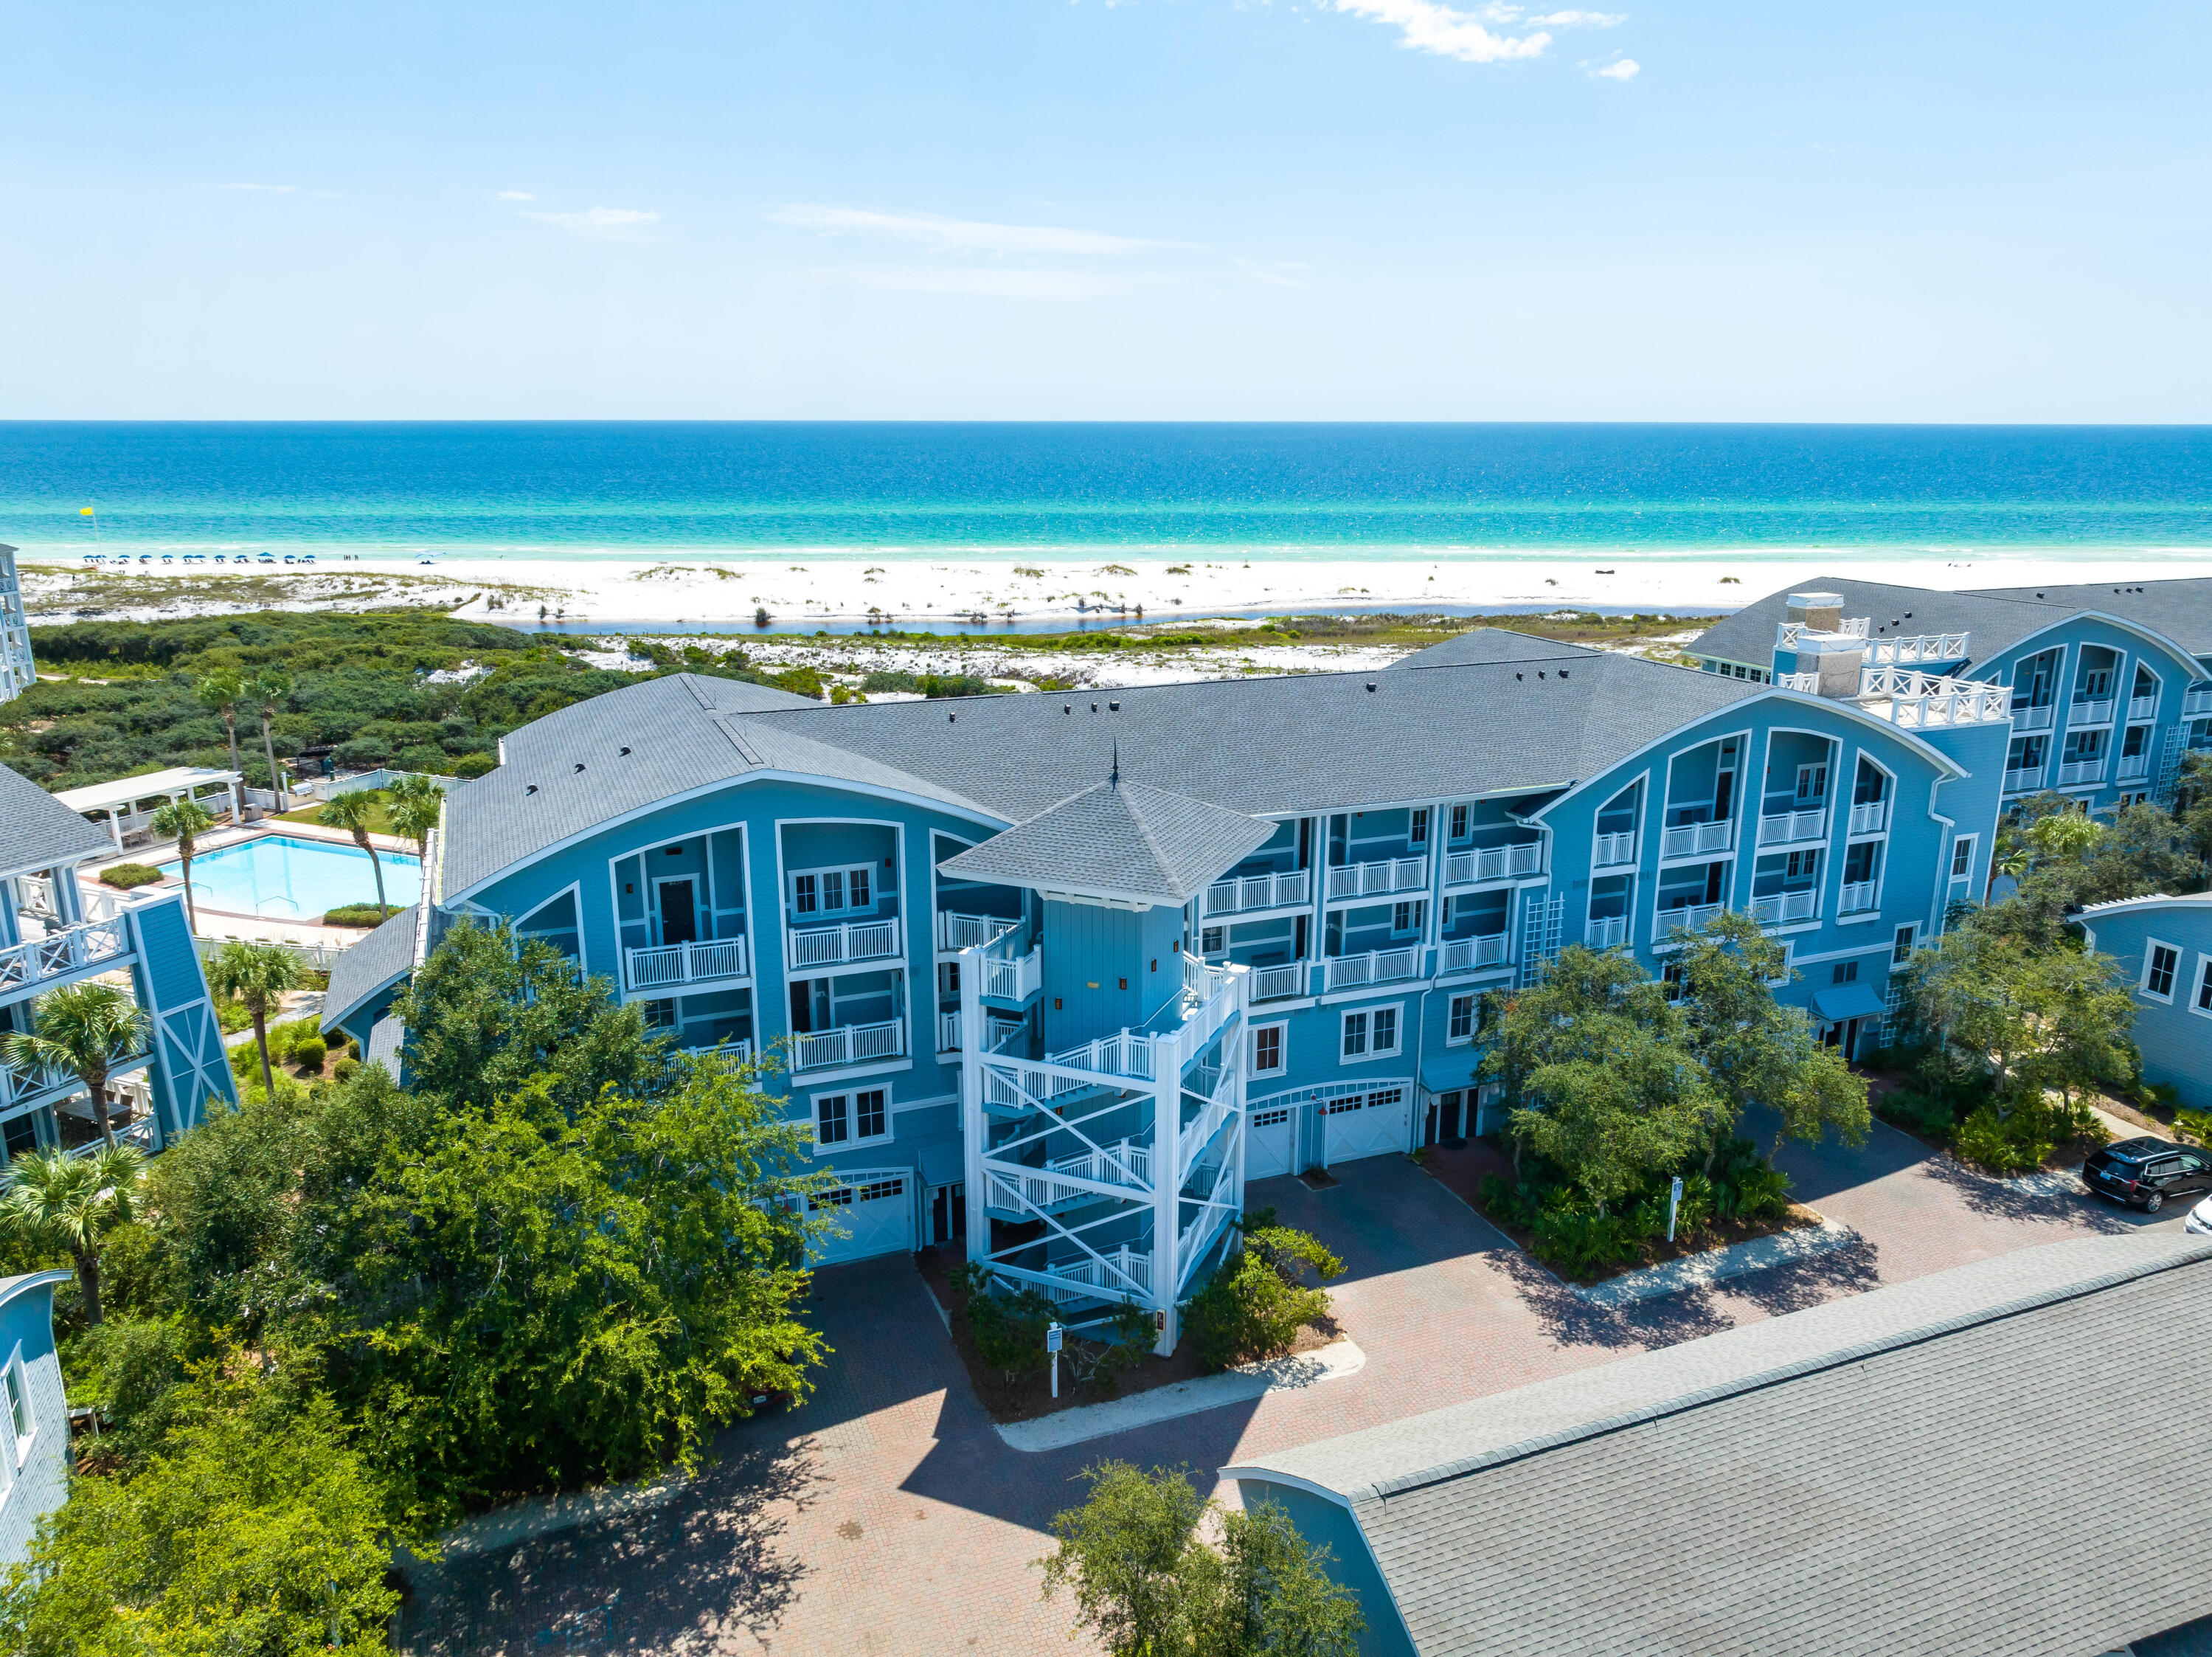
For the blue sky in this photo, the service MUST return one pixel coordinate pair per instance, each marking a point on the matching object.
(1158, 209)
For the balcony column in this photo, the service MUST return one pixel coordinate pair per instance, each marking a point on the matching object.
(1432, 935)
(68, 899)
(1167, 1183)
(974, 1127)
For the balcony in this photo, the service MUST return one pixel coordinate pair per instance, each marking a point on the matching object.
(959, 932)
(1392, 875)
(60, 953)
(2091, 711)
(1782, 908)
(1016, 978)
(1486, 863)
(678, 966)
(997, 1031)
(1375, 966)
(2075, 772)
(1613, 851)
(1915, 701)
(1790, 828)
(1279, 983)
(2197, 699)
(2135, 767)
(1251, 893)
(850, 1044)
(840, 945)
(1787, 634)
(1859, 897)
(1698, 840)
(729, 1054)
(2024, 780)
(1869, 817)
(1606, 931)
(2142, 708)
(1685, 917)
(1918, 652)
(1473, 955)
(2034, 719)
(1808, 683)
(19, 1089)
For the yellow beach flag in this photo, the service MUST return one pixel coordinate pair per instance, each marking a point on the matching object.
(84, 512)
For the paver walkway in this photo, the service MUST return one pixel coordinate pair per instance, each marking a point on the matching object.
(886, 1516)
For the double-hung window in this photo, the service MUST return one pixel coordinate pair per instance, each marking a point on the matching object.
(1408, 917)
(1268, 1050)
(1416, 832)
(844, 1118)
(2204, 984)
(832, 891)
(2160, 962)
(1371, 1034)
(1460, 1025)
(1900, 950)
(1962, 856)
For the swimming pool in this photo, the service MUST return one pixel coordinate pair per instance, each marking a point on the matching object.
(288, 879)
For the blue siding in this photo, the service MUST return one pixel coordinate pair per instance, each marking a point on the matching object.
(2172, 1033)
(42, 1481)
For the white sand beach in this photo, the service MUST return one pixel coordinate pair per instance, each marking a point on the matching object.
(803, 592)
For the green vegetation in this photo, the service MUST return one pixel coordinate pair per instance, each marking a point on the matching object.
(1255, 1306)
(931, 685)
(360, 914)
(87, 1029)
(134, 697)
(352, 812)
(378, 820)
(184, 821)
(1146, 1585)
(257, 976)
(127, 877)
(57, 1201)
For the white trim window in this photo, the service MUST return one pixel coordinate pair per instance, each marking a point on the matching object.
(1901, 947)
(854, 1118)
(2201, 1003)
(22, 1425)
(1371, 1033)
(847, 891)
(1962, 856)
(1459, 1015)
(2161, 964)
(1271, 1047)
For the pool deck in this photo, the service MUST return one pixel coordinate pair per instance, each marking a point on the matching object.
(219, 924)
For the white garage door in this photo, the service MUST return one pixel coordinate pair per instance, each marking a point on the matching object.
(876, 1213)
(1267, 1141)
(1366, 1124)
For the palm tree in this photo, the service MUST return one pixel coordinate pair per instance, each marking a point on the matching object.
(55, 1200)
(223, 690)
(355, 811)
(418, 804)
(86, 1029)
(268, 687)
(184, 821)
(258, 974)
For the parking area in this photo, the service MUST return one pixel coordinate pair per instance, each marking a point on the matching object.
(887, 1516)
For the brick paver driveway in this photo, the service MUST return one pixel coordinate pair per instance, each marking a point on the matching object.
(886, 1516)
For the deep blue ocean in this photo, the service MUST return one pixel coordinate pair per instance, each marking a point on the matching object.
(578, 488)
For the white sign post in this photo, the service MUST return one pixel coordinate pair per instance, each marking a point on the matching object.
(1052, 1333)
(1674, 1203)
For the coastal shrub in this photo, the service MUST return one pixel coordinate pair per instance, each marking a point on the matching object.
(308, 1055)
(1580, 1240)
(931, 685)
(1990, 1142)
(475, 765)
(1253, 1307)
(126, 876)
(426, 759)
(1009, 1330)
(1101, 1361)
(346, 1069)
(1761, 1192)
(1917, 1114)
(359, 915)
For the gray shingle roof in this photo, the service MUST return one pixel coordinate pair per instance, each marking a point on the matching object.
(369, 967)
(387, 1039)
(1488, 644)
(1124, 840)
(1995, 618)
(2001, 1458)
(38, 832)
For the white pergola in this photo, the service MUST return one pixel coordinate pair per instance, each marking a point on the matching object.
(121, 799)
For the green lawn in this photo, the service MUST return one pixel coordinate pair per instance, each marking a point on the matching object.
(380, 821)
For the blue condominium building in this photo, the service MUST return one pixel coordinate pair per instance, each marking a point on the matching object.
(15, 669)
(1055, 974)
(2109, 686)
(2164, 947)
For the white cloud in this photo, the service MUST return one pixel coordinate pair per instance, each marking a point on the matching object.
(514, 195)
(601, 223)
(986, 283)
(963, 235)
(1428, 26)
(267, 189)
(1579, 20)
(1625, 68)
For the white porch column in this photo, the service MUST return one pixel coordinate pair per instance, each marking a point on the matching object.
(115, 828)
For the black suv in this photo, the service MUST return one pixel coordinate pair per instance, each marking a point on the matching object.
(2146, 1172)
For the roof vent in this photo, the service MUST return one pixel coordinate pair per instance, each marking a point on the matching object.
(1067, 708)
(1371, 684)
(1562, 672)
(952, 719)
(1112, 707)
(530, 788)
(1517, 676)
(625, 750)
(579, 767)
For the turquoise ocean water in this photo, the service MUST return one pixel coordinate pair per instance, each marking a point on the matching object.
(584, 489)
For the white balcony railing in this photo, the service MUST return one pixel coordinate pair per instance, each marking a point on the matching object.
(1869, 817)
(1604, 931)
(1788, 634)
(1686, 917)
(1377, 966)
(1123, 1274)
(1482, 863)
(57, 954)
(2024, 780)
(850, 1044)
(2088, 711)
(730, 1055)
(1378, 879)
(1017, 979)
(2075, 772)
(996, 1032)
(1279, 983)
(1789, 828)
(1698, 839)
(1912, 700)
(1781, 908)
(2035, 719)
(2197, 699)
(2134, 767)
(1472, 954)
(959, 932)
(1918, 652)
(948, 1032)
(141, 1135)
(667, 966)
(1251, 892)
(1126, 1166)
(1859, 897)
(1614, 850)
(1808, 683)
(2142, 707)
(841, 946)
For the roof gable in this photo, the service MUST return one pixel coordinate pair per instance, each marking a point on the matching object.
(1120, 840)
